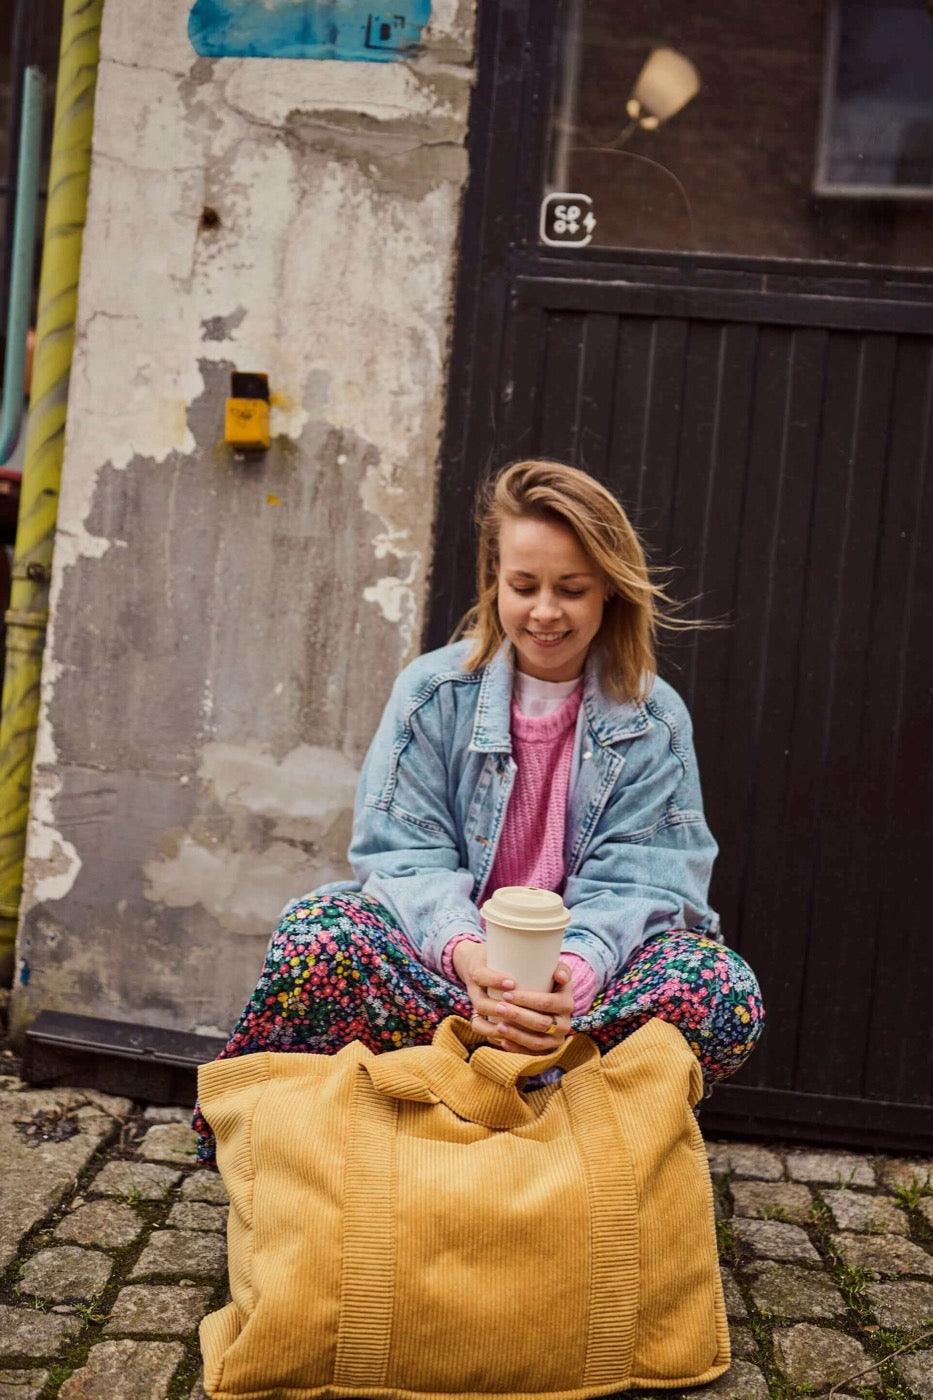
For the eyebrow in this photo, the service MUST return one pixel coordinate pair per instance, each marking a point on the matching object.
(523, 573)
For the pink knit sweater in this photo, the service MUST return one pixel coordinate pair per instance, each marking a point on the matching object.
(530, 850)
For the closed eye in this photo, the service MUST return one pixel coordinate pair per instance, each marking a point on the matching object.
(570, 592)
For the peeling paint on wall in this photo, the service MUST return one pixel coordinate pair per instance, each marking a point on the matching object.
(54, 861)
(239, 888)
(267, 834)
(344, 29)
(215, 667)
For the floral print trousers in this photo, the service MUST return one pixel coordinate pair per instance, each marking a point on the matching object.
(339, 968)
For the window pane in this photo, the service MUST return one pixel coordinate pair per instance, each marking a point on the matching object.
(877, 127)
(787, 130)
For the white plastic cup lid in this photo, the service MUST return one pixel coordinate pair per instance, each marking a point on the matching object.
(526, 908)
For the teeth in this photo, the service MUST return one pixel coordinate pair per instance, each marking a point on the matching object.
(547, 636)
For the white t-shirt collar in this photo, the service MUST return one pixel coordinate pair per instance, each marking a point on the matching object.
(535, 698)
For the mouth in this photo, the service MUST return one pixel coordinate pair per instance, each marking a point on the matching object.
(547, 639)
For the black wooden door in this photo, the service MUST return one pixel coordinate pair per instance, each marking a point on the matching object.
(768, 427)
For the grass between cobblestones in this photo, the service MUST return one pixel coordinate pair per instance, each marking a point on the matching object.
(860, 1321)
(119, 1145)
(878, 1342)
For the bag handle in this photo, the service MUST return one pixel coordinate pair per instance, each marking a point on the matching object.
(476, 1081)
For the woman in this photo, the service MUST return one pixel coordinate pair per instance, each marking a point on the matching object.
(541, 749)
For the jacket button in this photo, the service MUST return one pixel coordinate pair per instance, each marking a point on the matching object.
(587, 753)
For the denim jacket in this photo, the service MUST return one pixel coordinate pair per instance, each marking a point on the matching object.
(435, 783)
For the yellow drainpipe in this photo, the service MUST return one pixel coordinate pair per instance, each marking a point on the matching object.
(26, 620)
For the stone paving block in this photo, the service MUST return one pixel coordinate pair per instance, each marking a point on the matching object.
(21, 1385)
(169, 1142)
(908, 1304)
(925, 1208)
(810, 1355)
(167, 1113)
(28, 1332)
(125, 1371)
(772, 1239)
(182, 1252)
(787, 1290)
(857, 1210)
(205, 1185)
(147, 1310)
(916, 1370)
(199, 1393)
(742, 1341)
(44, 1144)
(886, 1255)
(742, 1381)
(773, 1200)
(744, 1159)
(735, 1303)
(907, 1171)
(66, 1272)
(829, 1168)
(197, 1215)
(103, 1223)
(144, 1180)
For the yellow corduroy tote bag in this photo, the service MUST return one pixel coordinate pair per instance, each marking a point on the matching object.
(412, 1225)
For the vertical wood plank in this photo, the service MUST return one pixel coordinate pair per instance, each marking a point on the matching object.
(596, 396)
(835, 991)
(561, 393)
(897, 751)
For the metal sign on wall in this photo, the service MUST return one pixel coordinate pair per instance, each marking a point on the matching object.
(340, 29)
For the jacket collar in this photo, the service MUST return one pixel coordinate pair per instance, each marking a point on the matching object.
(609, 720)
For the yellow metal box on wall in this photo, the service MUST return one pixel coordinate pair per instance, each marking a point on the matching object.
(246, 418)
(246, 424)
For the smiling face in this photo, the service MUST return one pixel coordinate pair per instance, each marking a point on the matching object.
(551, 597)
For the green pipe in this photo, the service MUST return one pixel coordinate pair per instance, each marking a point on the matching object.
(66, 211)
(22, 263)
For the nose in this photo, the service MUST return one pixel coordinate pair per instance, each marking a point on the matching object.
(545, 610)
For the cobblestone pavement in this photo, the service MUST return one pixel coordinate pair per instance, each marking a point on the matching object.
(112, 1249)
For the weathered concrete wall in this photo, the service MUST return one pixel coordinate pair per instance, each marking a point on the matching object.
(224, 634)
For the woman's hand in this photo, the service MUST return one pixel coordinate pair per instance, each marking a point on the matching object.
(510, 1017)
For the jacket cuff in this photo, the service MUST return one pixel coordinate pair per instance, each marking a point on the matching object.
(432, 949)
(584, 945)
(447, 957)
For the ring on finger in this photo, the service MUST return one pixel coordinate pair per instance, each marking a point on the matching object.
(516, 1037)
(554, 1030)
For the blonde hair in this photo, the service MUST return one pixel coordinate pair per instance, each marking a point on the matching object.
(543, 490)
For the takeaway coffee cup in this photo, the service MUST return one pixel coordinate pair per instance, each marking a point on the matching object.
(524, 931)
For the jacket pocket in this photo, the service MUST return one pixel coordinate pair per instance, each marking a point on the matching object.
(393, 809)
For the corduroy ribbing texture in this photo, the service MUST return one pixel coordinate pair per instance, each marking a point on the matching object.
(409, 1225)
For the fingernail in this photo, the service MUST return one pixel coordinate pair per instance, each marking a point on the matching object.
(507, 996)
(501, 1008)
(509, 983)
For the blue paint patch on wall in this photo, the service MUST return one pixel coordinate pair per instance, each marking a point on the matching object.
(306, 29)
